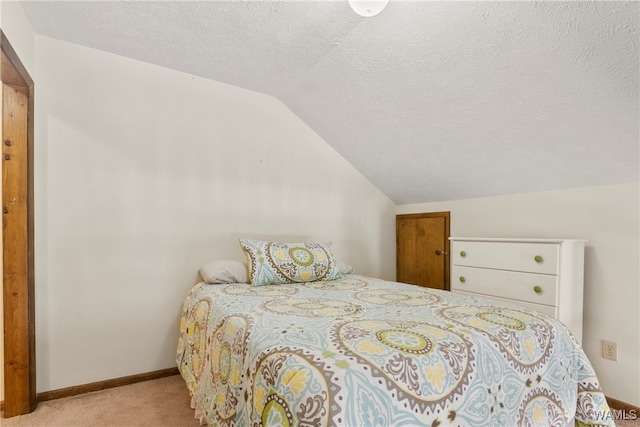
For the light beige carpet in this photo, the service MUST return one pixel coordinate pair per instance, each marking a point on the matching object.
(159, 403)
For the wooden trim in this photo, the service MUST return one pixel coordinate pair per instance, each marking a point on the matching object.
(13, 71)
(103, 385)
(424, 215)
(18, 232)
(622, 406)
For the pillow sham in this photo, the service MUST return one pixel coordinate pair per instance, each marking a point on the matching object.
(272, 263)
(224, 271)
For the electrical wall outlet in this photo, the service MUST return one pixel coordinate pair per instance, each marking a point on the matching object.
(609, 350)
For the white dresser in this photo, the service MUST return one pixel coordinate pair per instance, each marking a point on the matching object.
(546, 275)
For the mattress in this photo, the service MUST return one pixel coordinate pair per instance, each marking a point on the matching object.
(360, 351)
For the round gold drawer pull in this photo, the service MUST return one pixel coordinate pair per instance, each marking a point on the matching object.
(538, 259)
(462, 279)
(463, 254)
(537, 289)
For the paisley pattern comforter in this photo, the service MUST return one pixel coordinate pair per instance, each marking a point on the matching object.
(365, 352)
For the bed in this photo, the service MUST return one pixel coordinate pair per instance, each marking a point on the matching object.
(359, 351)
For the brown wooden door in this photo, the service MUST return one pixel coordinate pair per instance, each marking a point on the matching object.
(422, 249)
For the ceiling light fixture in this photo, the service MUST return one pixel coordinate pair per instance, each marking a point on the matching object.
(368, 8)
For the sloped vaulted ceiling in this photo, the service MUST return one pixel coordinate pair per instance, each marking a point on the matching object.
(430, 100)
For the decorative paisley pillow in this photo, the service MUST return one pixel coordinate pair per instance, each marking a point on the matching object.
(272, 263)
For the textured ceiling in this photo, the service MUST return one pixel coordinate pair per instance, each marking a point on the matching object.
(429, 100)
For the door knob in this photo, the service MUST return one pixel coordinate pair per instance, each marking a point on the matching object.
(439, 252)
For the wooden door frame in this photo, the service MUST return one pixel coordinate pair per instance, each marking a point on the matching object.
(18, 234)
(447, 243)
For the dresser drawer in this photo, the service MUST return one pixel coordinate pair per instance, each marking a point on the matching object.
(529, 257)
(544, 309)
(535, 288)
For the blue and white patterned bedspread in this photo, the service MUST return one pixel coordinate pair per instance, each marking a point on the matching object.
(366, 352)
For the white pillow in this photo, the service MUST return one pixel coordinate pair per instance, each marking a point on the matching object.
(224, 271)
(344, 268)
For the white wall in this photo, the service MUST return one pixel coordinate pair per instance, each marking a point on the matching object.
(608, 217)
(143, 174)
(16, 27)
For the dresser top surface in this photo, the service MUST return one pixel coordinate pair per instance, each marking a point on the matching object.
(513, 240)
